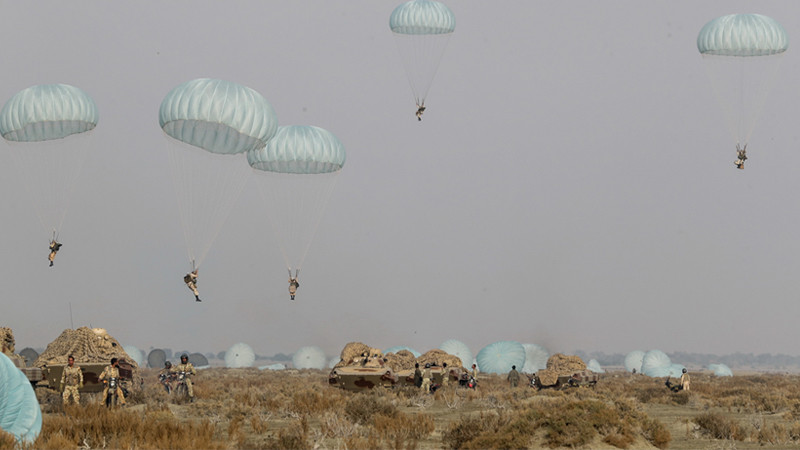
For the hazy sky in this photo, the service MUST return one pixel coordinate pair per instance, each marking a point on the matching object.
(571, 185)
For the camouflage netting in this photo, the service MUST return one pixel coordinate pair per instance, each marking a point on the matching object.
(402, 360)
(438, 357)
(565, 364)
(558, 365)
(353, 351)
(7, 340)
(86, 345)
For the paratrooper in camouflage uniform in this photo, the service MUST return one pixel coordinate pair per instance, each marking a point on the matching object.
(71, 381)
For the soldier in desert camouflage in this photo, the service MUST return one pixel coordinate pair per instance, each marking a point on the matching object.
(71, 381)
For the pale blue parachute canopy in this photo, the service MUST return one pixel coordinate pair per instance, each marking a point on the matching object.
(299, 149)
(720, 370)
(676, 370)
(594, 366)
(397, 348)
(656, 363)
(500, 356)
(218, 116)
(135, 354)
(742, 35)
(19, 410)
(311, 357)
(46, 112)
(239, 355)
(458, 349)
(422, 17)
(536, 358)
(633, 361)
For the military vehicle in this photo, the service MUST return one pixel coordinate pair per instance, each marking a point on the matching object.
(359, 378)
(34, 374)
(91, 373)
(576, 379)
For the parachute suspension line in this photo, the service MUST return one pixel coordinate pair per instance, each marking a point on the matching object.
(421, 55)
(298, 203)
(207, 186)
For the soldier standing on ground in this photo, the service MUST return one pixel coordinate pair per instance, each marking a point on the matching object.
(445, 375)
(111, 371)
(685, 380)
(188, 369)
(513, 377)
(191, 281)
(417, 376)
(71, 381)
(426, 378)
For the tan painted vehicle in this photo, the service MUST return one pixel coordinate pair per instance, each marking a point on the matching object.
(34, 374)
(91, 373)
(360, 378)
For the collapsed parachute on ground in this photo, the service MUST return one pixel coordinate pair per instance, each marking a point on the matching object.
(720, 370)
(500, 356)
(296, 172)
(37, 121)
(422, 29)
(311, 357)
(458, 349)
(135, 354)
(656, 363)
(156, 358)
(198, 360)
(276, 366)
(213, 123)
(633, 361)
(20, 414)
(594, 366)
(239, 355)
(536, 358)
(742, 54)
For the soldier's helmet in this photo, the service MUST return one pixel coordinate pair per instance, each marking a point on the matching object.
(427, 365)
(167, 364)
(684, 370)
(184, 356)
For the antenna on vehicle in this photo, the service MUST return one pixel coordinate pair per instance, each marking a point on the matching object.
(71, 325)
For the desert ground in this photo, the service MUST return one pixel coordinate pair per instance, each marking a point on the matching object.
(293, 409)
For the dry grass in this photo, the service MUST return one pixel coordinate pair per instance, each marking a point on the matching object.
(248, 408)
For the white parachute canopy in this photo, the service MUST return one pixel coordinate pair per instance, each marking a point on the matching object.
(135, 354)
(46, 126)
(720, 370)
(421, 29)
(397, 348)
(239, 355)
(459, 349)
(656, 363)
(633, 361)
(296, 173)
(311, 357)
(213, 123)
(536, 358)
(742, 54)
(594, 366)
(276, 366)
(500, 356)
(20, 414)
